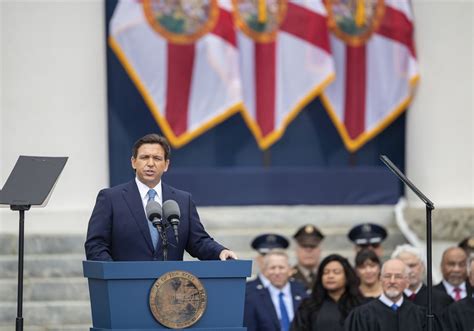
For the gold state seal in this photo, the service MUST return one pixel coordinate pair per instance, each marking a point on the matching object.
(178, 299)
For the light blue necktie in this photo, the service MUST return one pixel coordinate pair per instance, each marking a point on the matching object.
(394, 307)
(285, 320)
(153, 230)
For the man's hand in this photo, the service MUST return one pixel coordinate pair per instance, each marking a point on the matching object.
(227, 255)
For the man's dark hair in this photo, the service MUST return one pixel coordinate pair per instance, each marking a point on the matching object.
(152, 138)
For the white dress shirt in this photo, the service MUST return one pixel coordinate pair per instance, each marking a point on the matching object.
(287, 298)
(450, 289)
(389, 302)
(143, 189)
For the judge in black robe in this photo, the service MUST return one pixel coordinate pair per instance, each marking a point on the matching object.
(391, 311)
(460, 315)
(334, 294)
(377, 316)
(440, 300)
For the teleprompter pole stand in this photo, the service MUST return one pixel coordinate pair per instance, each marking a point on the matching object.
(30, 183)
(429, 208)
(21, 244)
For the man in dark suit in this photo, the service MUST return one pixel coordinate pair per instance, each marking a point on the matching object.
(454, 269)
(272, 308)
(118, 228)
(417, 292)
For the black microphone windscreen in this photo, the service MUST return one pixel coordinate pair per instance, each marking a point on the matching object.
(171, 209)
(153, 210)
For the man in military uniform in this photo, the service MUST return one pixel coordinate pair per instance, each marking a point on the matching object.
(263, 244)
(308, 251)
(368, 236)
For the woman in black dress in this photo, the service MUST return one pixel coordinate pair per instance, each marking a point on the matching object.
(368, 268)
(334, 294)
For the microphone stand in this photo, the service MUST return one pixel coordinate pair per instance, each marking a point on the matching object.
(429, 208)
(164, 240)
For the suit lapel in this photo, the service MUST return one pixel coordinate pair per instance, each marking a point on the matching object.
(134, 202)
(268, 306)
(297, 297)
(167, 191)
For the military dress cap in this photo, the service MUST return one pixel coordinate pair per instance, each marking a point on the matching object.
(308, 235)
(367, 234)
(266, 242)
(467, 243)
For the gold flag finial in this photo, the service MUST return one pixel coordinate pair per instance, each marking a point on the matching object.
(262, 11)
(360, 13)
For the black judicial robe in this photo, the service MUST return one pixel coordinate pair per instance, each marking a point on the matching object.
(460, 315)
(376, 316)
(328, 317)
(440, 300)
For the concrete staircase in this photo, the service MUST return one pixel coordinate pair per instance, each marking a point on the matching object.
(56, 295)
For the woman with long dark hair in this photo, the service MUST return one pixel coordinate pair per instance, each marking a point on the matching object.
(335, 293)
(368, 267)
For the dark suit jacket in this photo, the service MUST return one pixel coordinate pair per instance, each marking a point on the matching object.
(440, 300)
(259, 312)
(440, 287)
(118, 228)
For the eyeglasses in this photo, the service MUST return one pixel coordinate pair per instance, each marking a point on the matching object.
(396, 276)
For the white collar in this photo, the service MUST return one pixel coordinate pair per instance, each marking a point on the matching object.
(143, 189)
(389, 302)
(409, 292)
(450, 288)
(276, 291)
(264, 280)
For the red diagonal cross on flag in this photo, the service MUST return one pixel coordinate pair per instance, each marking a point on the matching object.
(190, 81)
(281, 74)
(375, 80)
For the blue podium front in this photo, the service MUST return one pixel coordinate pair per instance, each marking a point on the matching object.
(120, 293)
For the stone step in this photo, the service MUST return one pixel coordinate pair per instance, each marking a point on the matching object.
(44, 313)
(42, 266)
(46, 289)
(43, 244)
(237, 239)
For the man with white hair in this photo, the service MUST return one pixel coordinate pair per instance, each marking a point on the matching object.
(460, 315)
(390, 312)
(417, 292)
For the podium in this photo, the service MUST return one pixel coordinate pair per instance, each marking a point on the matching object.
(120, 293)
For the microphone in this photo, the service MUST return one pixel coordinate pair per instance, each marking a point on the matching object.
(153, 213)
(172, 214)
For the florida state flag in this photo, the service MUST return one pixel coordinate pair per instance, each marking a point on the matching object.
(182, 57)
(372, 43)
(285, 61)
